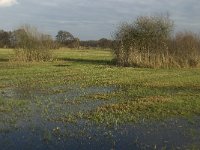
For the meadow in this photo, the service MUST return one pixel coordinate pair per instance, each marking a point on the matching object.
(86, 86)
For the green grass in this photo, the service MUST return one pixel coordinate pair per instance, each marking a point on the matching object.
(141, 93)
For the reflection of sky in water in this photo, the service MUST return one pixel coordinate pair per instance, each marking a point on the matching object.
(38, 133)
(172, 133)
(55, 93)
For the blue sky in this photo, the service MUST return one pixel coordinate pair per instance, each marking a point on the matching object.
(94, 19)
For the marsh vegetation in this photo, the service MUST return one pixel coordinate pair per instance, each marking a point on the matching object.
(140, 90)
(150, 41)
(81, 98)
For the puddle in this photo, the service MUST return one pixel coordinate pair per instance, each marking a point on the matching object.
(65, 98)
(36, 132)
(168, 134)
(54, 93)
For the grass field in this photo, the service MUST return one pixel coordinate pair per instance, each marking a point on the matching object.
(112, 95)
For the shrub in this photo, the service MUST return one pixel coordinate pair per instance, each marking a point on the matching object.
(31, 45)
(144, 42)
(185, 49)
(148, 42)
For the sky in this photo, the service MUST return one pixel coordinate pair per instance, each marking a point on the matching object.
(94, 19)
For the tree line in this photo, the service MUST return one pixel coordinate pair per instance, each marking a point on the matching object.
(31, 45)
(62, 39)
(149, 41)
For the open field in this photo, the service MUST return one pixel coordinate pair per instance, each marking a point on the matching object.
(83, 95)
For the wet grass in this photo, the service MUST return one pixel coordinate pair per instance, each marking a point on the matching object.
(11, 111)
(142, 93)
(84, 85)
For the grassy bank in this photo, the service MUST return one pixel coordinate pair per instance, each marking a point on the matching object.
(139, 93)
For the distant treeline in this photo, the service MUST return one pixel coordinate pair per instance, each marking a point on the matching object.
(63, 39)
(5, 39)
(66, 39)
(102, 43)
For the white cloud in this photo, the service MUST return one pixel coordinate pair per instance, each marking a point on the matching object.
(7, 3)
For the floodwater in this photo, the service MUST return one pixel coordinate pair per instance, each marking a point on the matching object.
(37, 133)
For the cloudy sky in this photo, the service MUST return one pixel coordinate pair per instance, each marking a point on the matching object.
(93, 19)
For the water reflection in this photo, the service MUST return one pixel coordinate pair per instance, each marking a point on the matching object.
(37, 132)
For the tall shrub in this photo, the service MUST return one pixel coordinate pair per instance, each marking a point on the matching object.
(149, 42)
(185, 49)
(31, 45)
(144, 42)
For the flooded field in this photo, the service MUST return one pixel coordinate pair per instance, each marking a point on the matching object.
(87, 103)
(53, 118)
(152, 136)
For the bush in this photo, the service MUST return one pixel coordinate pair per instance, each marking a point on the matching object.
(144, 42)
(185, 49)
(148, 42)
(31, 45)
